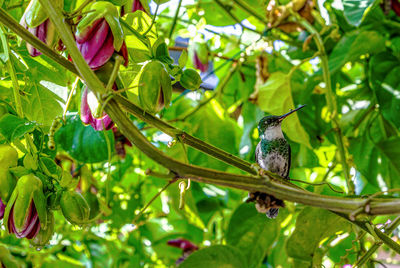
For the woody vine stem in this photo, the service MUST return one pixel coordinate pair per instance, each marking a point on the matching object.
(268, 183)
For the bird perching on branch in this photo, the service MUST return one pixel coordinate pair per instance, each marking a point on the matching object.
(272, 154)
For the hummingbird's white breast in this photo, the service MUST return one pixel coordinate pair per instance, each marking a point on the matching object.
(273, 133)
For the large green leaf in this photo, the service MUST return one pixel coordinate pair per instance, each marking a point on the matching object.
(391, 149)
(13, 127)
(354, 10)
(215, 256)
(275, 97)
(385, 80)
(83, 143)
(354, 44)
(312, 226)
(42, 105)
(217, 16)
(252, 233)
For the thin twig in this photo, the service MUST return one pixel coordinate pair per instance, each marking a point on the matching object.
(152, 200)
(171, 32)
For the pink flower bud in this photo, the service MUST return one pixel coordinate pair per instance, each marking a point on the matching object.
(45, 32)
(31, 226)
(99, 124)
(2, 208)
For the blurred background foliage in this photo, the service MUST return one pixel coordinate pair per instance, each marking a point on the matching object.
(252, 71)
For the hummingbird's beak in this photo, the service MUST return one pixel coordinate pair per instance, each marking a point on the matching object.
(289, 113)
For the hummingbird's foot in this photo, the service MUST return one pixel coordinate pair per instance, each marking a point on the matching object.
(256, 167)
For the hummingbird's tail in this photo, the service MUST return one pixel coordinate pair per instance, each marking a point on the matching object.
(272, 213)
(266, 203)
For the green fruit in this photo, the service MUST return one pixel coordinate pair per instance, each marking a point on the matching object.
(74, 208)
(93, 204)
(43, 237)
(190, 79)
(7, 184)
(8, 156)
(155, 88)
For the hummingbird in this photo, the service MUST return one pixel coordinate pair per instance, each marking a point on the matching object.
(273, 154)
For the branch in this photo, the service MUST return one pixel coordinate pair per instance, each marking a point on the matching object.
(14, 26)
(250, 11)
(130, 107)
(184, 136)
(376, 232)
(393, 225)
(268, 183)
(330, 97)
(234, 17)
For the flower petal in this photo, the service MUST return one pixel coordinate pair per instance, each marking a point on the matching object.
(92, 47)
(86, 114)
(105, 52)
(2, 209)
(89, 31)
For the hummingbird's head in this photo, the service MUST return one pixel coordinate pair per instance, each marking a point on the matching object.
(272, 121)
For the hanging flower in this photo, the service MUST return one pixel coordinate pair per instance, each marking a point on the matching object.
(199, 50)
(35, 19)
(26, 209)
(186, 246)
(98, 123)
(134, 5)
(2, 209)
(99, 34)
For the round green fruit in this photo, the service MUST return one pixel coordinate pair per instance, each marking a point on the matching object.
(74, 208)
(190, 79)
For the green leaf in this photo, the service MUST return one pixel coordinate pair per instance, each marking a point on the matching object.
(183, 59)
(217, 16)
(385, 81)
(215, 256)
(354, 44)
(42, 105)
(252, 233)
(354, 10)
(312, 226)
(140, 21)
(391, 149)
(3, 47)
(83, 143)
(275, 97)
(13, 127)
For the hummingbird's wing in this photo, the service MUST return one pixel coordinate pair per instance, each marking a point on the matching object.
(289, 160)
(257, 152)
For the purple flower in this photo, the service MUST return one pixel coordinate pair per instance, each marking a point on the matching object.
(186, 246)
(198, 64)
(2, 209)
(97, 46)
(99, 34)
(45, 32)
(25, 213)
(199, 51)
(31, 226)
(132, 6)
(99, 124)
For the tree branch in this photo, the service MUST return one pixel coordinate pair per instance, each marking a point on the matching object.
(330, 97)
(14, 26)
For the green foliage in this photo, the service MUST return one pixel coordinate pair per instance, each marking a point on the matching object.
(83, 143)
(127, 206)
